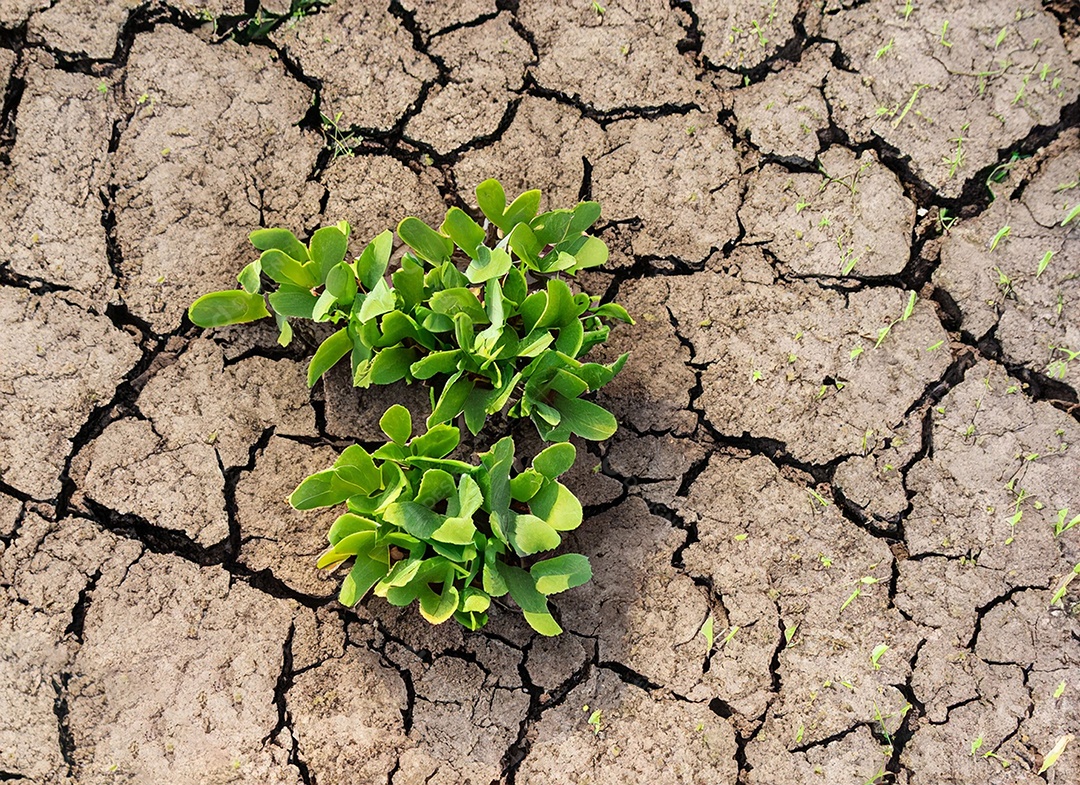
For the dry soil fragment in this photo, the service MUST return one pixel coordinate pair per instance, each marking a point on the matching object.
(364, 60)
(856, 757)
(373, 193)
(652, 391)
(487, 67)
(783, 114)
(820, 586)
(273, 535)
(82, 27)
(44, 572)
(467, 713)
(203, 161)
(354, 412)
(804, 365)
(1036, 313)
(653, 466)
(972, 71)
(745, 33)
(853, 219)
(678, 178)
(624, 57)
(543, 148)
(212, 653)
(435, 15)
(132, 470)
(51, 216)
(57, 363)
(347, 716)
(199, 400)
(14, 12)
(1001, 469)
(631, 737)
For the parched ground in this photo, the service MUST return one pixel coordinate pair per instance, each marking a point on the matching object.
(849, 420)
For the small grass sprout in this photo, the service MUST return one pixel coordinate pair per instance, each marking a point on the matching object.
(1071, 215)
(707, 632)
(1061, 526)
(1043, 263)
(1052, 756)
(1001, 234)
(1059, 594)
(877, 654)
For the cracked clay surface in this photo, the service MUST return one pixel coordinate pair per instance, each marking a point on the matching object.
(847, 232)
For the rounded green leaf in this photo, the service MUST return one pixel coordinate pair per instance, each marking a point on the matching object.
(327, 248)
(396, 423)
(555, 460)
(533, 534)
(235, 306)
(491, 198)
(327, 355)
(425, 241)
(284, 269)
(366, 572)
(561, 573)
(437, 608)
(556, 505)
(282, 240)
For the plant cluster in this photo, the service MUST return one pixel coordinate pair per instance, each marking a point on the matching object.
(483, 316)
(417, 517)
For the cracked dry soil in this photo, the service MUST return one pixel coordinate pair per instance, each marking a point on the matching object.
(818, 467)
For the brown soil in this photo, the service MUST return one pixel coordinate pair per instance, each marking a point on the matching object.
(863, 503)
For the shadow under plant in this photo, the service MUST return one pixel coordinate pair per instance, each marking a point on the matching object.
(862, 491)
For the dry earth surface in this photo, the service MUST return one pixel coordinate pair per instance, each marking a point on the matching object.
(849, 420)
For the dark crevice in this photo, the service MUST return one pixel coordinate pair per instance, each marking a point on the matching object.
(78, 613)
(63, 728)
(284, 683)
(608, 116)
(981, 611)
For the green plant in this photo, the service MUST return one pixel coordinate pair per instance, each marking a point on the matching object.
(506, 332)
(450, 535)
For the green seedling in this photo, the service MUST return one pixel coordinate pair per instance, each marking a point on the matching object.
(884, 50)
(265, 22)
(876, 655)
(1059, 593)
(944, 30)
(1058, 368)
(1061, 526)
(1071, 215)
(424, 527)
(1043, 263)
(594, 719)
(1060, 690)
(729, 636)
(1002, 233)
(490, 327)
(707, 633)
(908, 9)
(1052, 757)
(789, 633)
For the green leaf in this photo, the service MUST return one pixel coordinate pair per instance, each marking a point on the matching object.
(425, 241)
(492, 200)
(326, 249)
(560, 307)
(292, 300)
(515, 287)
(561, 573)
(327, 355)
(550, 228)
(381, 300)
(556, 505)
(235, 306)
(532, 535)
(249, 277)
(436, 363)
(435, 486)
(555, 460)
(396, 423)
(324, 306)
(524, 486)
(586, 419)
(356, 467)
(521, 210)
(488, 264)
(437, 608)
(455, 531)
(585, 215)
(415, 518)
(372, 264)
(452, 400)
(281, 239)
(459, 300)
(475, 601)
(438, 442)
(463, 230)
(391, 365)
(409, 283)
(322, 489)
(284, 269)
(496, 484)
(468, 499)
(347, 524)
(347, 547)
(366, 572)
(613, 311)
(341, 282)
(593, 252)
(524, 243)
(533, 604)
(571, 338)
